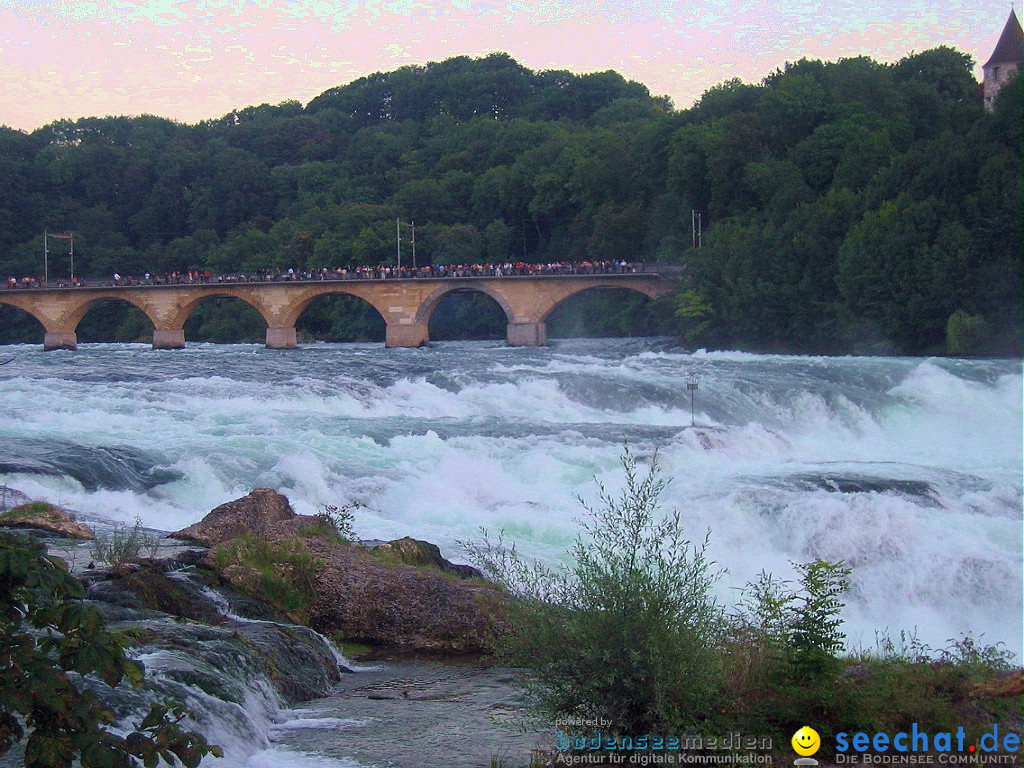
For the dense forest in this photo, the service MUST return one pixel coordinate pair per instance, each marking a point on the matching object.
(846, 207)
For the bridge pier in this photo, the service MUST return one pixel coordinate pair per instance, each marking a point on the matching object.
(58, 340)
(281, 338)
(166, 338)
(526, 335)
(406, 335)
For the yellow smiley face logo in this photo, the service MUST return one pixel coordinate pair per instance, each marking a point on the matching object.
(806, 741)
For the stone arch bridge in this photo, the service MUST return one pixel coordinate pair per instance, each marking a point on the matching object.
(405, 304)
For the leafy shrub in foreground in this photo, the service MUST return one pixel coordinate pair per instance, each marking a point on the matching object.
(123, 545)
(340, 521)
(629, 631)
(787, 666)
(48, 639)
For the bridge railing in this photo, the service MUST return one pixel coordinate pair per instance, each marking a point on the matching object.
(460, 271)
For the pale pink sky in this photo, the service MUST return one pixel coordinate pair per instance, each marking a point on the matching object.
(192, 60)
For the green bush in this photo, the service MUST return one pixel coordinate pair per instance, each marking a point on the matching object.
(816, 637)
(48, 639)
(629, 631)
(787, 665)
(340, 521)
(124, 545)
(783, 661)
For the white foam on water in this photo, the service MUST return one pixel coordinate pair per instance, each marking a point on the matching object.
(436, 443)
(245, 731)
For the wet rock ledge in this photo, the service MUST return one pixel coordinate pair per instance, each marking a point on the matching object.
(217, 622)
(401, 598)
(41, 516)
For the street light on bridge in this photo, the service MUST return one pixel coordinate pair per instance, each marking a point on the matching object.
(398, 231)
(46, 252)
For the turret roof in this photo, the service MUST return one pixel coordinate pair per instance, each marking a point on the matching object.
(1010, 48)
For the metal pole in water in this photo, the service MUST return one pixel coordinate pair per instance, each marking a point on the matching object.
(691, 384)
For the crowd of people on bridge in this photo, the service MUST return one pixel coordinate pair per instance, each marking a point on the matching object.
(380, 272)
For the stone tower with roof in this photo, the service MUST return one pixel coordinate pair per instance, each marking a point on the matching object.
(1006, 60)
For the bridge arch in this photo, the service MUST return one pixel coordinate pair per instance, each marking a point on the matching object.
(115, 319)
(604, 311)
(287, 317)
(185, 309)
(467, 314)
(62, 314)
(19, 325)
(75, 316)
(429, 304)
(225, 320)
(646, 290)
(26, 308)
(360, 320)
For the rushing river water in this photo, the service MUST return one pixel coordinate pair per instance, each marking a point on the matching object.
(907, 469)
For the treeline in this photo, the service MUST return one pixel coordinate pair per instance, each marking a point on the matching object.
(848, 206)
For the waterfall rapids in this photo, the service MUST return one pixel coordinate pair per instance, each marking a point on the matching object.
(909, 470)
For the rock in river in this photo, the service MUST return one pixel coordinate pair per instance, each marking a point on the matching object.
(402, 598)
(42, 516)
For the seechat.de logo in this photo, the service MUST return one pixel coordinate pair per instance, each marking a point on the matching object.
(916, 740)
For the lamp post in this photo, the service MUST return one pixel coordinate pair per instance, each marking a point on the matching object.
(398, 237)
(46, 253)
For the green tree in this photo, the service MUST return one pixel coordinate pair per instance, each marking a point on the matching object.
(793, 106)
(694, 312)
(49, 641)
(455, 244)
(616, 232)
(497, 241)
(885, 273)
(815, 634)
(966, 334)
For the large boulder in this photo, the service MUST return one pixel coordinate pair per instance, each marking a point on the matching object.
(41, 516)
(264, 512)
(402, 598)
(402, 609)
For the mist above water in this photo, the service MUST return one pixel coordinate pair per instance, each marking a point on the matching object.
(907, 469)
